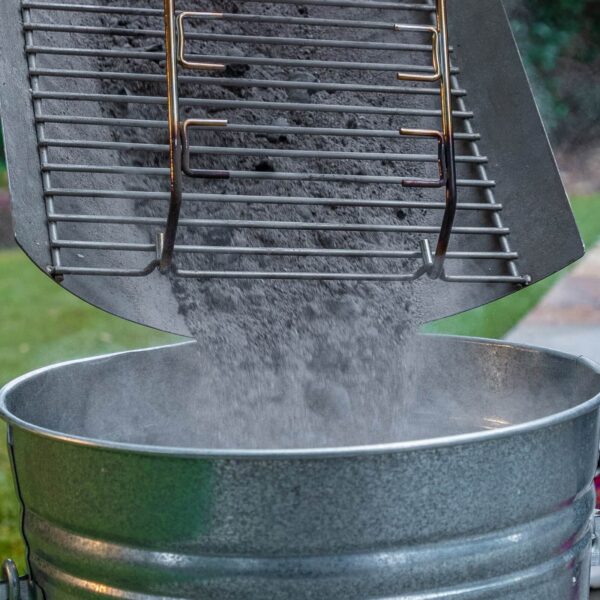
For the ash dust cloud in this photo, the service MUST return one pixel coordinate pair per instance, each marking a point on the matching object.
(284, 364)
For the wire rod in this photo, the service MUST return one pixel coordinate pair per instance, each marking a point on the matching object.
(241, 82)
(258, 175)
(259, 152)
(282, 225)
(274, 251)
(250, 199)
(232, 38)
(239, 128)
(231, 60)
(234, 104)
(157, 12)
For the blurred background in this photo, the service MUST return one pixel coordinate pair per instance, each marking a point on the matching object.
(560, 43)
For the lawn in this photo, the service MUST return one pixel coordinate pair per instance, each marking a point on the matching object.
(40, 324)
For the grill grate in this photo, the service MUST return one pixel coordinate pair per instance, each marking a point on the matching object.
(99, 178)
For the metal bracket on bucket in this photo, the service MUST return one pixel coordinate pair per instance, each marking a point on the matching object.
(445, 138)
(13, 587)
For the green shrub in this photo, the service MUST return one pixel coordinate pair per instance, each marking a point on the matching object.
(551, 32)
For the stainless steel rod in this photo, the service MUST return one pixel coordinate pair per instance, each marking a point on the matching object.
(270, 251)
(236, 104)
(232, 60)
(242, 82)
(93, 8)
(175, 140)
(127, 10)
(159, 171)
(155, 12)
(517, 279)
(259, 152)
(104, 272)
(282, 225)
(317, 276)
(283, 200)
(101, 272)
(329, 276)
(239, 128)
(448, 147)
(304, 21)
(404, 6)
(231, 38)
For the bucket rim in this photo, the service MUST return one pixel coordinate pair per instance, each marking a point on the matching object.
(583, 408)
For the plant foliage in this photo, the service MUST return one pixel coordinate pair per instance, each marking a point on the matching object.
(554, 35)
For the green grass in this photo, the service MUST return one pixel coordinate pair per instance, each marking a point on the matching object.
(40, 324)
(497, 318)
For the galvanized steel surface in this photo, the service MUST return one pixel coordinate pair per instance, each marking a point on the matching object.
(502, 513)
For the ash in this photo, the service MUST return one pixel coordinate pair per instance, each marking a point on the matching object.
(290, 363)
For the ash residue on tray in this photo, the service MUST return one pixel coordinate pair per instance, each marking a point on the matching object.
(315, 351)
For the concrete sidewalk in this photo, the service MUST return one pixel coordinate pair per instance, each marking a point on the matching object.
(568, 318)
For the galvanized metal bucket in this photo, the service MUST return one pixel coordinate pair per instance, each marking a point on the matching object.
(494, 503)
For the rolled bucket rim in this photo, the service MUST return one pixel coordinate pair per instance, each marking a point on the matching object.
(302, 453)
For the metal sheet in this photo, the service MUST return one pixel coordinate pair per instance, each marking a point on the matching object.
(512, 135)
(20, 140)
(535, 206)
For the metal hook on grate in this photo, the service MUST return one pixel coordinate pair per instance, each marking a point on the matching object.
(446, 163)
(442, 167)
(187, 169)
(178, 139)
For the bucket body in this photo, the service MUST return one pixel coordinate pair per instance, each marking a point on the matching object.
(498, 506)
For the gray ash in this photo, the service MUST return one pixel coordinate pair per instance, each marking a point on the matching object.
(317, 351)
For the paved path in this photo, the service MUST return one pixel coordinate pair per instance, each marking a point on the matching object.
(568, 318)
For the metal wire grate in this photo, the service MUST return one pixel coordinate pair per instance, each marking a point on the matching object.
(93, 124)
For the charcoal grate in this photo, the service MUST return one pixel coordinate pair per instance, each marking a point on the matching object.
(404, 251)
